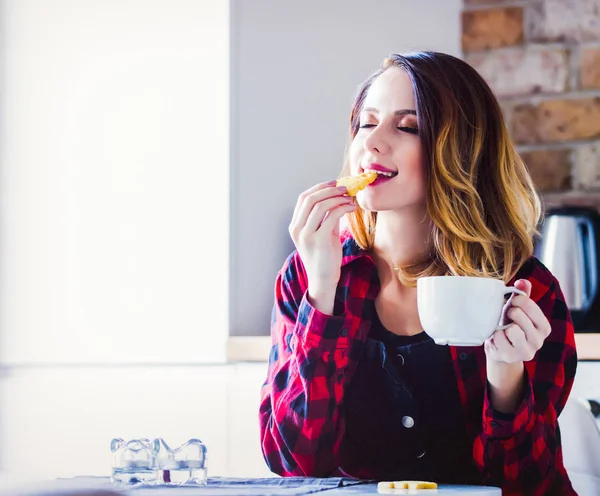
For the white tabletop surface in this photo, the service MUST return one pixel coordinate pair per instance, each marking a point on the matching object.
(92, 486)
(442, 490)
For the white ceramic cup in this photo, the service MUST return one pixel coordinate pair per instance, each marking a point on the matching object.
(462, 311)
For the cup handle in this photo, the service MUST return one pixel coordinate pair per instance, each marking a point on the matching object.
(513, 290)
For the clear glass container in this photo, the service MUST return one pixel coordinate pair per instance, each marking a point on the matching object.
(185, 465)
(152, 462)
(134, 462)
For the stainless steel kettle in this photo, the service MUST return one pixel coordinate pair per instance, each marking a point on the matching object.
(569, 246)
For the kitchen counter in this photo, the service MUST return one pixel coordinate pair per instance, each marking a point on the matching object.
(257, 348)
(588, 346)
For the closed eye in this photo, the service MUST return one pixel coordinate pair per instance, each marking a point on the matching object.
(411, 130)
(406, 129)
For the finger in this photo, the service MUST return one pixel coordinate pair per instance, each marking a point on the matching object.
(308, 192)
(533, 312)
(516, 337)
(317, 215)
(519, 317)
(524, 285)
(309, 201)
(501, 342)
(534, 337)
(333, 217)
(489, 346)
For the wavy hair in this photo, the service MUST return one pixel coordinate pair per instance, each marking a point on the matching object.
(483, 206)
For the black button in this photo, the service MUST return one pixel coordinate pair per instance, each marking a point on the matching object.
(421, 455)
(401, 358)
(344, 332)
(463, 356)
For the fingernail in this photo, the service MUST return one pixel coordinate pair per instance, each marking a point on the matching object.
(332, 183)
(343, 189)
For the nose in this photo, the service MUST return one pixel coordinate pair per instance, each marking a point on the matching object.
(377, 142)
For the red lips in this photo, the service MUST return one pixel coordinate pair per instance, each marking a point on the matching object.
(379, 167)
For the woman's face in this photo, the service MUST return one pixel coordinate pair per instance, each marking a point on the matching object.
(387, 141)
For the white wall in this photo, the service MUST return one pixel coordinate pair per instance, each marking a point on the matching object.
(114, 238)
(295, 69)
(114, 181)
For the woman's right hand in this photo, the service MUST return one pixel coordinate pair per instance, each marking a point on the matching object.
(315, 231)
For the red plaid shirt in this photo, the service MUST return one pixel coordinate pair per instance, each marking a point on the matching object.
(314, 356)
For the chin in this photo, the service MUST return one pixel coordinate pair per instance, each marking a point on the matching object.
(377, 205)
(371, 204)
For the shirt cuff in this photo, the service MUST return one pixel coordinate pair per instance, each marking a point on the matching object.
(506, 425)
(319, 330)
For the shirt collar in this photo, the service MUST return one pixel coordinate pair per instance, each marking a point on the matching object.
(350, 249)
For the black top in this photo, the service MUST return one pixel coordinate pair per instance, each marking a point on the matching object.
(404, 417)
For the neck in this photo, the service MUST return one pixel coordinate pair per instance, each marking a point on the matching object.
(401, 238)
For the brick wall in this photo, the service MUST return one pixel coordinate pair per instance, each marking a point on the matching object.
(542, 59)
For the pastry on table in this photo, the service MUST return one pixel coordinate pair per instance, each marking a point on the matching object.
(407, 487)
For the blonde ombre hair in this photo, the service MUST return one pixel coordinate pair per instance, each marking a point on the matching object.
(481, 201)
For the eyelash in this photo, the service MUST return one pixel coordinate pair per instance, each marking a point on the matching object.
(406, 129)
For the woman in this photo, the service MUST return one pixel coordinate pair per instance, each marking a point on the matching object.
(354, 386)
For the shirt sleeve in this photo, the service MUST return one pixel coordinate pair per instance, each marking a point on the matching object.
(300, 421)
(521, 451)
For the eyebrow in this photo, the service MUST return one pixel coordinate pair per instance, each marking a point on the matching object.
(397, 112)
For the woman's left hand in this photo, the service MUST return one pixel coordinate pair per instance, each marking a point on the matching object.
(527, 333)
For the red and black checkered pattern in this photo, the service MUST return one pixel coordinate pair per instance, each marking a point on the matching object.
(313, 358)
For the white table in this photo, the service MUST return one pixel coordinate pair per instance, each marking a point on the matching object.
(442, 490)
(100, 486)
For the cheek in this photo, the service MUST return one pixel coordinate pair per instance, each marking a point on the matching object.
(422, 178)
(412, 157)
(420, 167)
(421, 173)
